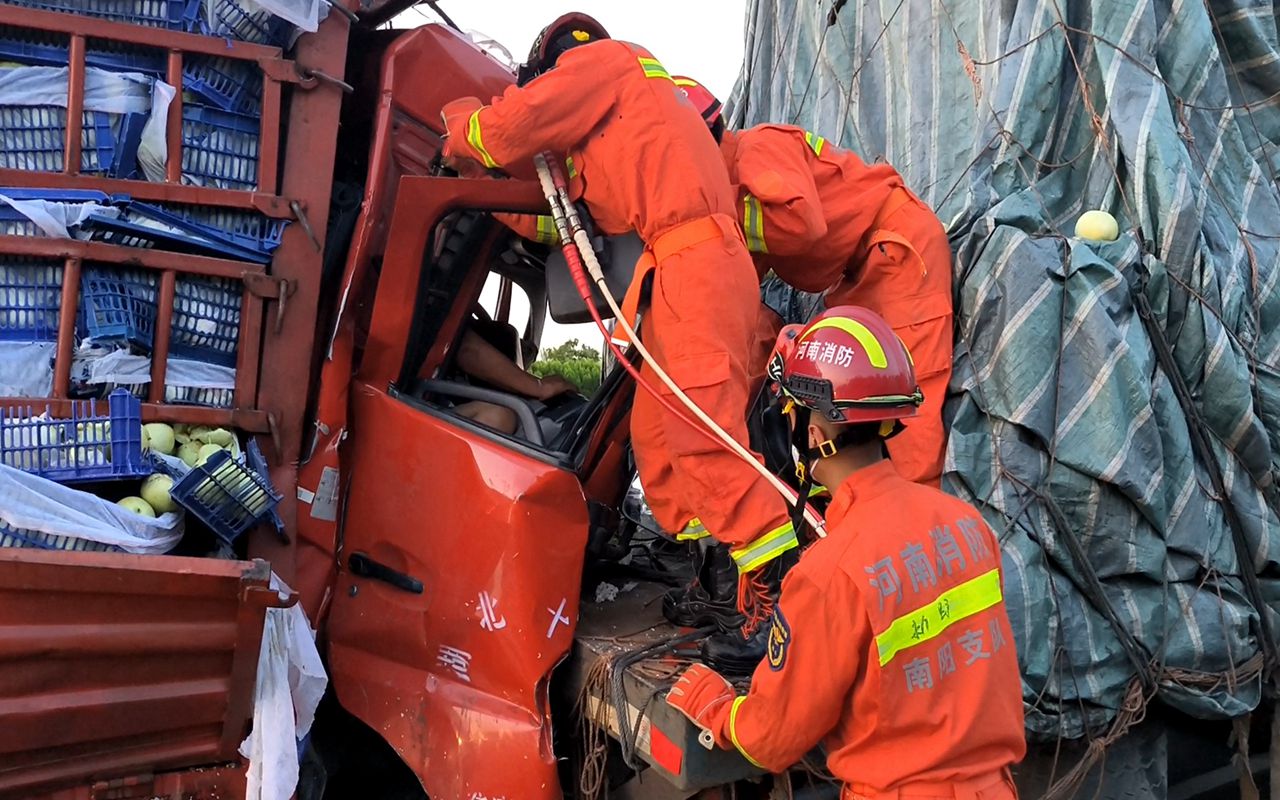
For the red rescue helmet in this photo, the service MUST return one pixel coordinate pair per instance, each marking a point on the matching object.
(565, 33)
(703, 100)
(848, 366)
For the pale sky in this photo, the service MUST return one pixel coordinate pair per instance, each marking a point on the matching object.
(699, 38)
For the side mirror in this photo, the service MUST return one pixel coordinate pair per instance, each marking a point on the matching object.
(566, 304)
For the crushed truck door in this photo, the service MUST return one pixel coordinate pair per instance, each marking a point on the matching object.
(111, 663)
(461, 549)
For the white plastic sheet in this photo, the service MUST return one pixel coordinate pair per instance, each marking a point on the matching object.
(26, 369)
(126, 369)
(306, 14)
(57, 219)
(153, 150)
(29, 502)
(291, 681)
(112, 92)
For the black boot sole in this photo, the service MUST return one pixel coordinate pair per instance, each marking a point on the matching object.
(733, 666)
(699, 614)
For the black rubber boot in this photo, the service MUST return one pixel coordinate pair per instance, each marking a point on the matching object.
(711, 599)
(738, 652)
(734, 655)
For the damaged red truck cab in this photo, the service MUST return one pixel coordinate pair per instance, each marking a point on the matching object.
(441, 562)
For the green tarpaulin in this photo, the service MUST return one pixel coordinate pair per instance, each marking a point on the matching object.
(1122, 573)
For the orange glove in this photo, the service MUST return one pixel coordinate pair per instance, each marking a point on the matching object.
(457, 116)
(706, 699)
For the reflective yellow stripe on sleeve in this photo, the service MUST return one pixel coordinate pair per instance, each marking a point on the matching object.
(761, 551)
(753, 224)
(815, 142)
(733, 732)
(653, 68)
(910, 629)
(473, 139)
(546, 233)
(569, 166)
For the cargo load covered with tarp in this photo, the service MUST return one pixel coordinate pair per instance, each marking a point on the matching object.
(1115, 408)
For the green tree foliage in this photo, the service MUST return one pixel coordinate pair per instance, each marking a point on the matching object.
(572, 360)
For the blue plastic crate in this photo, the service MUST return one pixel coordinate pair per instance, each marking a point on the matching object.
(28, 47)
(258, 463)
(206, 319)
(234, 20)
(30, 298)
(89, 446)
(248, 229)
(170, 14)
(150, 227)
(177, 395)
(32, 139)
(227, 83)
(226, 495)
(118, 306)
(22, 537)
(219, 148)
(128, 136)
(193, 396)
(61, 195)
(13, 223)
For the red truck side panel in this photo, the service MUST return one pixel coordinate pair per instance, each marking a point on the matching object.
(456, 678)
(422, 70)
(114, 665)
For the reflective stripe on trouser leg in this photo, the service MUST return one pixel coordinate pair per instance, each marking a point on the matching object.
(763, 549)
(693, 531)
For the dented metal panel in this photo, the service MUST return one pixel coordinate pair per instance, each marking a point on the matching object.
(113, 665)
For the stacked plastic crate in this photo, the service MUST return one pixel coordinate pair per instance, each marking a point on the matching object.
(221, 110)
(119, 305)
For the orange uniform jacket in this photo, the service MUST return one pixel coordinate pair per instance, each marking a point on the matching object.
(824, 220)
(612, 109)
(891, 646)
(646, 162)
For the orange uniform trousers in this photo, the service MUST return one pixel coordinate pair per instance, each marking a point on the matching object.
(700, 326)
(905, 277)
(996, 786)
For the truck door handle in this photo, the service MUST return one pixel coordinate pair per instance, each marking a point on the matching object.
(360, 564)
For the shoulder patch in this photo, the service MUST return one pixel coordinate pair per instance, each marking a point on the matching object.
(779, 640)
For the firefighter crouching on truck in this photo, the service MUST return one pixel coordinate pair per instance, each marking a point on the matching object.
(890, 643)
(644, 162)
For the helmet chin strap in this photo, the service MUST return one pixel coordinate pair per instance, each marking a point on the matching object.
(810, 456)
(808, 459)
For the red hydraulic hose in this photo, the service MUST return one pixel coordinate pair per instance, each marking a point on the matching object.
(575, 244)
(583, 283)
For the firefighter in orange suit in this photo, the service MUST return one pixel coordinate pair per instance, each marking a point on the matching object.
(644, 162)
(825, 221)
(890, 643)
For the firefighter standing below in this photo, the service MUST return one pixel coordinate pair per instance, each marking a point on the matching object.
(643, 162)
(890, 643)
(825, 221)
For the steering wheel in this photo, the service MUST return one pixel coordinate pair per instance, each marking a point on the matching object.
(526, 411)
(558, 415)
